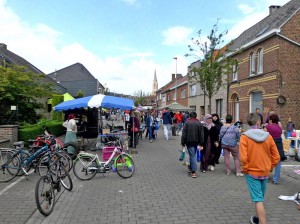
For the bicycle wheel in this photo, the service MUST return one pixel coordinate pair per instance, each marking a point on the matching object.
(44, 195)
(124, 166)
(10, 165)
(49, 162)
(68, 157)
(64, 178)
(75, 149)
(85, 168)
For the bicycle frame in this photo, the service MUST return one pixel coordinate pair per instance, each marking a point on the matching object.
(32, 156)
(96, 157)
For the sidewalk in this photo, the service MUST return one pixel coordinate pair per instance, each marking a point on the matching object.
(160, 191)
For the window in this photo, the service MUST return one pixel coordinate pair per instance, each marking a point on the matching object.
(252, 64)
(235, 72)
(193, 90)
(174, 95)
(219, 107)
(168, 97)
(256, 101)
(164, 99)
(183, 94)
(160, 96)
(260, 61)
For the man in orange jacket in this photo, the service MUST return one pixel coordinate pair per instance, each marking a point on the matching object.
(258, 155)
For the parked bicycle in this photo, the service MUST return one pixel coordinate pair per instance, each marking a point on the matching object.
(19, 161)
(45, 188)
(87, 164)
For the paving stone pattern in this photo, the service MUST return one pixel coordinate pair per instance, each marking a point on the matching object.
(160, 191)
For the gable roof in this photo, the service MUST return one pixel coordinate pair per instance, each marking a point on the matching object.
(73, 72)
(270, 25)
(11, 58)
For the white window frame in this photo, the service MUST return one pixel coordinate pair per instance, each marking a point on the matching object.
(183, 93)
(193, 90)
(252, 64)
(235, 72)
(260, 61)
(168, 98)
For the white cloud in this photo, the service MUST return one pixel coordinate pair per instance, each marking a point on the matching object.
(255, 11)
(178, 35)
(41, 45)
(246, 9)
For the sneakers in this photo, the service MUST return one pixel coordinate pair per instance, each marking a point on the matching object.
(194, 175)
(151, 141)
(254, 220)
(239, 175)
(212, 168)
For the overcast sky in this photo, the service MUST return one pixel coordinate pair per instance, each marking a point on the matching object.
(121, 42)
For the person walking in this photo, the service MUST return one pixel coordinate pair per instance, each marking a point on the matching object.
(218, 124)
(275, 131)
(211, 142)
(229, 134)
(167, 122)
(149, 125)
(71, 134)
(258, 155)
(133, 127)
(193, 139)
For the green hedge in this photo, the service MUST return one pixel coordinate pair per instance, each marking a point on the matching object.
(57, 99)
(32, 131)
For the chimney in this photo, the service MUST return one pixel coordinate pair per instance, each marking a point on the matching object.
(273, 8)
(4, 46)
(179, 76)
(173, 77)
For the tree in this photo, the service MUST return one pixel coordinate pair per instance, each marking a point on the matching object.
(21, 87)
(214, 63)
(140, 98)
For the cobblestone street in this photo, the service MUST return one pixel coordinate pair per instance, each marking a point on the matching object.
(160, 191)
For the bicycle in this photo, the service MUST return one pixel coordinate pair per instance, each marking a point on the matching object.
(87, 164)
(47, 184)
(15, 161)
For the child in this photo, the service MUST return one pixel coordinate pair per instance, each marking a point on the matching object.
(258, 155)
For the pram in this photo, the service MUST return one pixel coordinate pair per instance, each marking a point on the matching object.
(142, 130)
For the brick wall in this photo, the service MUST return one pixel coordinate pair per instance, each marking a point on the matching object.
(281, 76)
(9, 132)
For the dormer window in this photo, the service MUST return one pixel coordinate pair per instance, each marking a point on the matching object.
(252, 64)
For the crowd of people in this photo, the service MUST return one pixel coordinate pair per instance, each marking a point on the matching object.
(256, 148)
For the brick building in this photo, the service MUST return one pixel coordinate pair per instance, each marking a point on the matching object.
(267, 74)
(174, 91)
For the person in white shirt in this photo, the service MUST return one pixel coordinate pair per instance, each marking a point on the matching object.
(71, 136)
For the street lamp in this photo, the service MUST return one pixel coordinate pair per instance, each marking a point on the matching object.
(175, 58)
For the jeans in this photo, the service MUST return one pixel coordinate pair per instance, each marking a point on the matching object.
(277, 173)
(150, 129)
(167, 131)
(193, 157)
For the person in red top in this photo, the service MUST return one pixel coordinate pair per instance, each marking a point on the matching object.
(258, 155)
(178, 118)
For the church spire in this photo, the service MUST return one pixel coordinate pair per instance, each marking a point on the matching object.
(154, 84)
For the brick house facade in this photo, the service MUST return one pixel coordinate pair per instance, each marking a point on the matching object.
(268, 71)
(166, 94)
